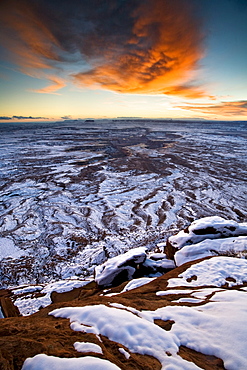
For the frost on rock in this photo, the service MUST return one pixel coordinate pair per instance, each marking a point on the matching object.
(232, 246)
(214, 227)
(120, 268)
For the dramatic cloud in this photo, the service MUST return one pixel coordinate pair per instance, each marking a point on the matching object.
(224, 109)
(127, 46)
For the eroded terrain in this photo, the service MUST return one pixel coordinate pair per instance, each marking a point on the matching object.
(76, 193)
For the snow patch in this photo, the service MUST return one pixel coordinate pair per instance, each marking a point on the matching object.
(29, 303)
(136, 283)
(88, 347)
(137, 334)
(210, 328)
(173, 291)
(213, 271)
(44, 362)
(125, 353)
(9, 249)
(188, 300)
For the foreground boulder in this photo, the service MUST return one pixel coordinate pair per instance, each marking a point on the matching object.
(120, 268)
(132, 264)
(205, 228)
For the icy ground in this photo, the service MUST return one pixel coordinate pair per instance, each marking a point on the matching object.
(74, 194)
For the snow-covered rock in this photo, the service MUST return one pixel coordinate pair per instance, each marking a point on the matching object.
(185, 319)
(133, 264)
(151, 267)
(206, 328)
(30, 298)
(214, 227)
(120, 268)
(233, 246)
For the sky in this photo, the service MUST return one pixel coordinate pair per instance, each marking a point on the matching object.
(72, 59)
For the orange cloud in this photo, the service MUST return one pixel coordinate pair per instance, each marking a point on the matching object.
(25, 35)
(148, 46)
(164, 48)
(189, 91)
(57, 84)
(224, 109)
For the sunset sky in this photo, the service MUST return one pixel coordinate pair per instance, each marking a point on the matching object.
(63, 59)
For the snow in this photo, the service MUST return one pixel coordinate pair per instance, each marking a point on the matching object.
(121, 306)
(137, 334)
(173, 291)
(110, 294)
(27, 289)
(125, 353)
(128, 262)
(157, 256)
(62, 286)
(136, 283)
(208, 328)
(9, 249)
(87, 347)
(159, 266)
(188, 300)
(230, 245)
(44, 362)
(213, 271)
(207, 228)
(29, 304)
(1, 313)
(204, 293)
(105, 274)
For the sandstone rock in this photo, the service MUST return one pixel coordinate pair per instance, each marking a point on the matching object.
(8, 308)
(23, 337)
(134, 264)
